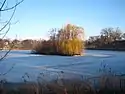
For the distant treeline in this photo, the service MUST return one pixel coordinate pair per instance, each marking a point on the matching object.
(109, 39)
(26, 44)
(70, 41)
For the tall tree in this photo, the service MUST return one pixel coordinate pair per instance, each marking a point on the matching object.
(70, 39)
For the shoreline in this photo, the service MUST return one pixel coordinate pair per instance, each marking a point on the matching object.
(58, 54)
(107, 49)
(104, 49)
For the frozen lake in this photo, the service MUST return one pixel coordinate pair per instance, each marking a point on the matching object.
(24, 62)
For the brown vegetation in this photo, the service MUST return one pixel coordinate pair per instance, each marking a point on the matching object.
(107, 83)
(66, 41)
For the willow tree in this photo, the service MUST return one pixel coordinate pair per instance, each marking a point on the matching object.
(70, 40)
(65, 41)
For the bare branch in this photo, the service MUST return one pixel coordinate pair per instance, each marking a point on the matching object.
(9, 70)
(6, 5)
(6, 32)
(6, 24)
(2, 4)
(7, 52)
(14, 22)
(5, 55)
(12, 6)
(8, 20)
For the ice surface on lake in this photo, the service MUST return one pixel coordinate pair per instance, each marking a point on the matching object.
(24, 62)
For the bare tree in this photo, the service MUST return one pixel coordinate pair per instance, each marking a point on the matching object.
(5, 26)
(111, 34)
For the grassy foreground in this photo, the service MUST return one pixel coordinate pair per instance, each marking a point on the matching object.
(104, 84)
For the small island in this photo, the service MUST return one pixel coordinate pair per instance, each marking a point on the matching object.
(67, 41)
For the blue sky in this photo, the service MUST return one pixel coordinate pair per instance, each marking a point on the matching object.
(36, 17)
